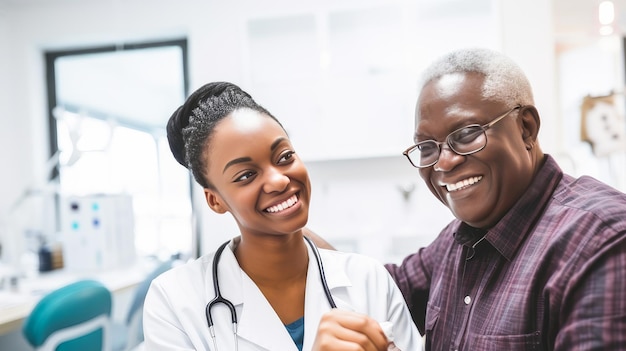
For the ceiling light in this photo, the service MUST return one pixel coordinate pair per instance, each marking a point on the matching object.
(606, 30)
(606, 12)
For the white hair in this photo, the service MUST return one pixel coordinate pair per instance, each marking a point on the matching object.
(504, 79)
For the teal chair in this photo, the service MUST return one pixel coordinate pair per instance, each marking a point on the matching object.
(129, 335)
(75, 317)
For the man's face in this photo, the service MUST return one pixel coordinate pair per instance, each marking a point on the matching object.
(479, 188)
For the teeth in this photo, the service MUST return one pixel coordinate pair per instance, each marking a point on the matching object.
(463, 183)
(282, 206)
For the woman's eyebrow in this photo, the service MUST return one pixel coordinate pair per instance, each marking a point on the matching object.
(236, 161)
(277, 142)
(248, 159)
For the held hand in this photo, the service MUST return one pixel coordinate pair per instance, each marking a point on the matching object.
(351, 331)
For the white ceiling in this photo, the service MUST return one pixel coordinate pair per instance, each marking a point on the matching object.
(574, 20)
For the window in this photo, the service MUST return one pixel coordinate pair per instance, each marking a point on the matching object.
(108, 111)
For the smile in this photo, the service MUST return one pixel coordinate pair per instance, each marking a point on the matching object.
(283, 205)
(463, 184)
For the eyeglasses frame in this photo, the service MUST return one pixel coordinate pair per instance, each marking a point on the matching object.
(484, 128)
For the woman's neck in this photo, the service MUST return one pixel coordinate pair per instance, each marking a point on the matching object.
(278, 266)
(273, 260)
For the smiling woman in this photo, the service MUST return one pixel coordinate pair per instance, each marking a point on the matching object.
(108, 107)
(273, 298)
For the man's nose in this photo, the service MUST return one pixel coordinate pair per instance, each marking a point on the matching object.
(448, 159)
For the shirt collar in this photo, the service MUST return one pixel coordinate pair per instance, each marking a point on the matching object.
(468, 235)
(511, 231)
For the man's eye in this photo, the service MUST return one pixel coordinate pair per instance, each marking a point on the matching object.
(427, 149)
(467, 135)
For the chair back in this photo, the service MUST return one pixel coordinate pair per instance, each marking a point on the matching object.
(134, 319)
(75, 317)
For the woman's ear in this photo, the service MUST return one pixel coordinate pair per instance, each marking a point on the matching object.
(529, 116)
(214, 200)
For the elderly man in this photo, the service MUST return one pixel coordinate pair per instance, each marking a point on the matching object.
(535, 259)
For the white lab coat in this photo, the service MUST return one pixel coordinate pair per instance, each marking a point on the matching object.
(174, 309)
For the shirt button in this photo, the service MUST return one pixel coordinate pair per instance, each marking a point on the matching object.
(467, 300)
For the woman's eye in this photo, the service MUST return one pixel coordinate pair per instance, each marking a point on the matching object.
(245, 176)
(286, 156)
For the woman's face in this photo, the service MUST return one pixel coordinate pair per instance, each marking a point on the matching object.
(256, 175)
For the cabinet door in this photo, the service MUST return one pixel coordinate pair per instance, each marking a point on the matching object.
(370, 92)
(343, 81)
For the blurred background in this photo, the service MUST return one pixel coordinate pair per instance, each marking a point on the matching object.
(87, 86)
(89, 188)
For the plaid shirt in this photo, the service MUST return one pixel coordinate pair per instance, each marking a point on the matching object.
(550, 275)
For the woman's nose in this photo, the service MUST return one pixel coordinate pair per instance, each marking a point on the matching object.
(275, 181)
(448, 159)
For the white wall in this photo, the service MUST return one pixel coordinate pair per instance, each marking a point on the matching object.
(16, 144)
(379, 207)
(215, 33)
(527, 37)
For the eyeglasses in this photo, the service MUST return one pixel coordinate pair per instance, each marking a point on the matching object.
(463, 141)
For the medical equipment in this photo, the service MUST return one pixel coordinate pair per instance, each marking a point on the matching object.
(97, 232)
(233, 314)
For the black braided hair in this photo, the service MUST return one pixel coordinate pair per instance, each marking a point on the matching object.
(190, 127)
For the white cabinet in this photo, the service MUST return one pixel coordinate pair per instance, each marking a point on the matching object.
(343, 80)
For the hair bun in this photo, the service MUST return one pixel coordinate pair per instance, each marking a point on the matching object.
(175, 125)
(180, 118)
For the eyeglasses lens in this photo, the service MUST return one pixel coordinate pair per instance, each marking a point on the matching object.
(467, 140)
(464, 141)
(425, 153)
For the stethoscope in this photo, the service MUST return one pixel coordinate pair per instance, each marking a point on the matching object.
(233, 314)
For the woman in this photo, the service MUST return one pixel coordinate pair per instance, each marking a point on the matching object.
(242, 157)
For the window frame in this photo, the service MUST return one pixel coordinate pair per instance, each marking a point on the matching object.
(51, 56)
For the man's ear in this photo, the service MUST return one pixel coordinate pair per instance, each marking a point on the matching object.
(529, 116)
(214, 200)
